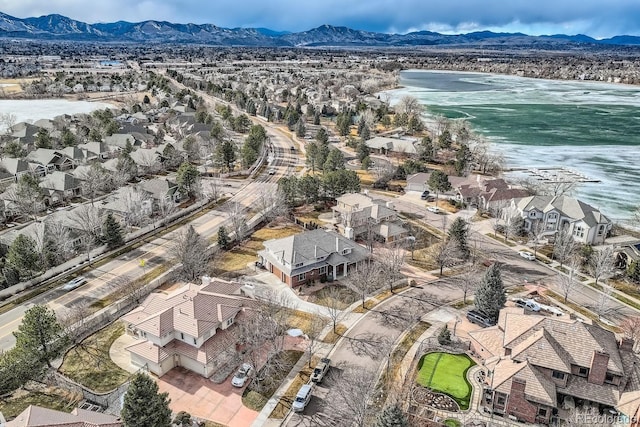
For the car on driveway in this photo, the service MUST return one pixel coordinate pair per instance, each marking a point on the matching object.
(272, 171)
(527, 304)
(320, 370)
(241, 376)
(74, 283)
(425, 195)
(527, 255)
(479, 318)
(434, 209)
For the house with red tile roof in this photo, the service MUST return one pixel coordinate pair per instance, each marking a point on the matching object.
(191, 327)
(36, 416)
(536, 367)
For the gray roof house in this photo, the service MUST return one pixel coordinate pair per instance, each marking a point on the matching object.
(120, 140)
(358, 214)
(311, 255)
(15, 169)
(51, 159)
(384, 145)
(584, 222)
(95, 150)
(60, 186)
(160, 189)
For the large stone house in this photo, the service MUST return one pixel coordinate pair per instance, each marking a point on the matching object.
(538, 367)
(312, 255)
(187, 327)
(556, 213)
(357, 215)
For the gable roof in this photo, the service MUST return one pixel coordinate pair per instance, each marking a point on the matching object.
(14, 166)
(567, 206)
(311, 246)
(59, 181)
(392, 144)
(37, 416)
(190, 309)
(538, 388)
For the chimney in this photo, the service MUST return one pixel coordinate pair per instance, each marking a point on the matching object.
(337, 244)
(626, 344)
(206, 280)
(598, 369)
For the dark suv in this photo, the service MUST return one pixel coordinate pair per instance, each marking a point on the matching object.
(479, 318)
(425, 195)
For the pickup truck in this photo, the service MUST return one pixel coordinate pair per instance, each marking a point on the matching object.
(320, 370)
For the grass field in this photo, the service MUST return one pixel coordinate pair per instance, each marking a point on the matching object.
(446, 373)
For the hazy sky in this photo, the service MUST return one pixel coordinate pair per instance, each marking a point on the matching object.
(597, 18)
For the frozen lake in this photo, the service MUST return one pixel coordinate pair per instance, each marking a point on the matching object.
(30, 110)
(593, 128)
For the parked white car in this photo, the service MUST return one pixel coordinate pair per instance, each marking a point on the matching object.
(434, 209)
(528, 304)
(527, 255)
(241, 376)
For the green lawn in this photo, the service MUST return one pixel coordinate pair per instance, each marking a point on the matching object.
(446, 373)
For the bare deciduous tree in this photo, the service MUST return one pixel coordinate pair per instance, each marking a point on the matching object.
(408, 105)
(7, 121)
(313, 332)
(568, 283)
(238, 221)
(93, 181)
(601, 264)
(86, 219)
(335, 305)
(443, 254)
(391, 260)
(468, 281)
(351, 394)
(59, 237)
(365, 279)
(191, 251)
(564, 246)
(271, 204)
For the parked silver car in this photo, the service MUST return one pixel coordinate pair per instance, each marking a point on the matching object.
(241, 376)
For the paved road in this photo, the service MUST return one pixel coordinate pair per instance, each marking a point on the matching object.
(104, 280)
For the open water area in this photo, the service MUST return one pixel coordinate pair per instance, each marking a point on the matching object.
(592, 128)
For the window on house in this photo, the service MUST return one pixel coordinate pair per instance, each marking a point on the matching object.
(346, 251)
(578, 231)
(558, 375)
(608, 378)
(302, 276)
(600, 230)
(323, 270)
(300, 264)
(500, 399)
(229, 322)
(583, 372)
(542, 412)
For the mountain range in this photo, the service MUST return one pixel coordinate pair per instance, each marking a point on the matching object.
(58, 27)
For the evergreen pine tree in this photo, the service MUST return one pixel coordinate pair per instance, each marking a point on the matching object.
(144, 406)
(459, 233)
(490, 296)
(223, 237)
(392, 416)
(112, 232)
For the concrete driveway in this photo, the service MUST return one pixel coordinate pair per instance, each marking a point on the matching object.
(204, 399)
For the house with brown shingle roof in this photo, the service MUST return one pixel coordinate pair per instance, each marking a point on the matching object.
(536, 366)
(36, 416)
(189, 327)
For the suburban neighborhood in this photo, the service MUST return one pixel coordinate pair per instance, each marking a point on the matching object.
(263, 238)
